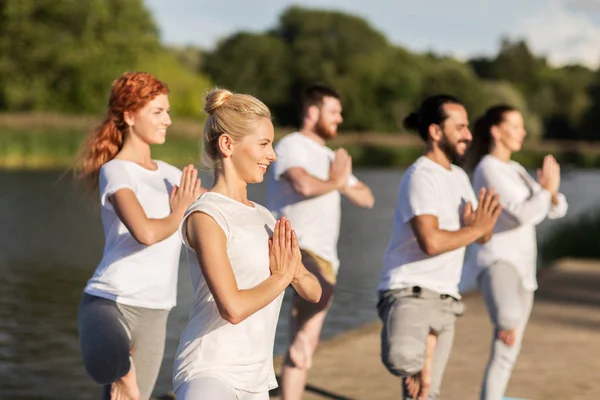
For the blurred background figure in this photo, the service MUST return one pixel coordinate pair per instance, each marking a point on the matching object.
(307, 182)
(433, 223)
(506, 266)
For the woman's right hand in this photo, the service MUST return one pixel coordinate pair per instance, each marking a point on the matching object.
(284, 253)
(187, 192)
(549, 175)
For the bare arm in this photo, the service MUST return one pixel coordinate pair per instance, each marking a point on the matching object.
(307, 285)
(234, 304)
(360, 195)
(479, 226)
(433, 240)
(148, 231)
(308, 185)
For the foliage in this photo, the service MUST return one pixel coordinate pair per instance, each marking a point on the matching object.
(62, 55)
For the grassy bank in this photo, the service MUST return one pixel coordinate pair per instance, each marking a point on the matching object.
(39, 141)
(577, 238)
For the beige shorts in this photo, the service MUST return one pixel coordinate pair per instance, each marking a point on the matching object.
(316, 264)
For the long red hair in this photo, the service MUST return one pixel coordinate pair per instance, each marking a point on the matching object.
(130, 92)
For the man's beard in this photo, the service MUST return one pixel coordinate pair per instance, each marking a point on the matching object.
(450, 151)
(323, 130)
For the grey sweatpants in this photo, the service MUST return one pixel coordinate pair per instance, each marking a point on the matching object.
(509, 306)
(109, 332)
(408, 316)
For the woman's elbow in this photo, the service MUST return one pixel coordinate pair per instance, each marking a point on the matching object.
(231, 314)
(145, 237)
(429, 247)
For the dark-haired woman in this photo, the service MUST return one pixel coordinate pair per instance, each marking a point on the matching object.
(505, 266)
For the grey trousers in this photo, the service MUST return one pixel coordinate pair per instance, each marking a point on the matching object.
(109, 332)
(509, 306)
(408, 316)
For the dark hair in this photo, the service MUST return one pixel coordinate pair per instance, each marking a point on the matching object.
(430, 112)
(313, 95)
(482, 133)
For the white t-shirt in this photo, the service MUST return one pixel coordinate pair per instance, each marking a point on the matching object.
(427, 188)
(525, 204)
(316, 220)
(240, 355)
(131, 273)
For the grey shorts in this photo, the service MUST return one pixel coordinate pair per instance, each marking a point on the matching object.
(111, 335)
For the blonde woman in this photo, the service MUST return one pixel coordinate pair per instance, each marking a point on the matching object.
(241, 260)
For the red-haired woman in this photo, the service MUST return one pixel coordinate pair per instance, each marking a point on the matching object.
(123, 313)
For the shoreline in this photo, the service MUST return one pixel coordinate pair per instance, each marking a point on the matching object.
(42, 141)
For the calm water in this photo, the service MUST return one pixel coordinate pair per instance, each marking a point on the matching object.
(51, 241)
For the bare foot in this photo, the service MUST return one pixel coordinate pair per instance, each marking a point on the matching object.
(300, 353)
(126, 388)
(509, 337)
(418, 385)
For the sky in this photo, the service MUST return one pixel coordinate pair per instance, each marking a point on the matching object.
(565, 31)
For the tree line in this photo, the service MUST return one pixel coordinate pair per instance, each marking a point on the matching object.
(61, 55)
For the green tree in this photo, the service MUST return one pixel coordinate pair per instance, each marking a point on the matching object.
(514, 63)
(186, 88)
(498, 92)
(258, 64)
(590, 126)
(63, 54)
(324, 43)
(381, 89)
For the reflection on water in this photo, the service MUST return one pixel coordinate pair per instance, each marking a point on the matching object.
(51, 240)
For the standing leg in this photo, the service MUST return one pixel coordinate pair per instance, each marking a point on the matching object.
(509, 306)
(418, 386)
(443, 327)
(306, 322)
(148, 345)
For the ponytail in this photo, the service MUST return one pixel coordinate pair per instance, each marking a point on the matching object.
(101, 146)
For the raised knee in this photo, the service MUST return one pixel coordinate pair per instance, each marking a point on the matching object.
(105, 368)
(403, 361)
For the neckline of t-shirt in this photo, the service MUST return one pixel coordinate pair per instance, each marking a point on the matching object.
(151, 171)
(309, 140)
(234, 201)
(499, 161)
(440, 167)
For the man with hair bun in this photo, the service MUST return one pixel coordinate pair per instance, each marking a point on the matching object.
(437, 215)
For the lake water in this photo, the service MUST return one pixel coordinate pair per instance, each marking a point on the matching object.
(51, 240)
